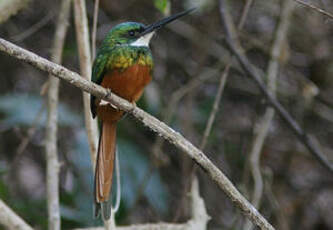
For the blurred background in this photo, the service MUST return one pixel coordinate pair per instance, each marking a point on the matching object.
(189, 59)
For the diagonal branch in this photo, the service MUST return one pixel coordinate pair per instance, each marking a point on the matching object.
(154, 124)
(321, 11)
(10, 220)
(251, 71)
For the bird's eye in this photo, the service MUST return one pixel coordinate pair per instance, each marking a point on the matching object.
(131, 33)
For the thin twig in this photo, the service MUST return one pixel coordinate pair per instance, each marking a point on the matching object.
(154, 124)
(321, 11)
(225, 73)
(251, 71)
(265, 122)
(30, 133)
(215, 108)
(94, 30)
(245, 13)
(276, 208)
(82, 36)
(34, 28)
(173, 102)
(10, 220)
(52, 120)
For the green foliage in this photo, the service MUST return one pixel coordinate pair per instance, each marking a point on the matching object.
(4, 193)
(163, 6)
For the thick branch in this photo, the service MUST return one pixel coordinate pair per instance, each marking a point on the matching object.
(157, 126)
(10, 220)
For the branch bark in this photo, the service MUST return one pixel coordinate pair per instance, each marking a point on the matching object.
(52, 183)
(313, 7)
(10, 219)
(154, 124)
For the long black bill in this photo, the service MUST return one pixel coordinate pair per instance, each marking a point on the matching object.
(159, 24)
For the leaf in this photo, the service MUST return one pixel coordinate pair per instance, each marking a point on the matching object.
(163, 6)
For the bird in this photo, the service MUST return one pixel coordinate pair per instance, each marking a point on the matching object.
(123, 65)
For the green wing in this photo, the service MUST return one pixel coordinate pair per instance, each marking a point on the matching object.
(98, 71)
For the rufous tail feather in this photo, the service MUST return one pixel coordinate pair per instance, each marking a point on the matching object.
(104, 169)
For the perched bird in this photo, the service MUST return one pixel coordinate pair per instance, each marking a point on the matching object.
(124, 65)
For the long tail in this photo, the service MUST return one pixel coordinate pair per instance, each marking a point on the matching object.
(104, 169)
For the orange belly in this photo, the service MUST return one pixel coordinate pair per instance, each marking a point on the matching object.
(128, 84)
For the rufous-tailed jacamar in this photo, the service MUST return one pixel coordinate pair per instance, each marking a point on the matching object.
(124, 65)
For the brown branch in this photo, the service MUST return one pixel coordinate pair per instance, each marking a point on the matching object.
(10, 220)
(252, 72)
(154, 124)
(321, 11)
(52, 183)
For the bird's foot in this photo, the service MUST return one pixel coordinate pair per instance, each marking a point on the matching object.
(103, 103)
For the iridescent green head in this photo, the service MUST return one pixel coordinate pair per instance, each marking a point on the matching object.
(124, 33)
(137, 34)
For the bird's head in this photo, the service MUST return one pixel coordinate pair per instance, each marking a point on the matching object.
(137, 34)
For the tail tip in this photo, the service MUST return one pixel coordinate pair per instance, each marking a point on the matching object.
(103, 209)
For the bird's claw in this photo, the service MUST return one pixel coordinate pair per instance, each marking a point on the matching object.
(103, 103)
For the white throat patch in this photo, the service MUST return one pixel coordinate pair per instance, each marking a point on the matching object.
(143, 41)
